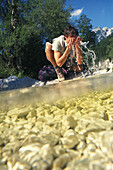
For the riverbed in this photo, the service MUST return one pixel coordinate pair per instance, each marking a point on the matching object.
(62, 126)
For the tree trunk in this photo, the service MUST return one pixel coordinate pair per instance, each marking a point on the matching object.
(14, 14)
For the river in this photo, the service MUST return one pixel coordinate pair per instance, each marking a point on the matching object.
(67, 126)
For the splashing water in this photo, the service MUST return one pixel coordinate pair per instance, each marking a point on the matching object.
(89, 54)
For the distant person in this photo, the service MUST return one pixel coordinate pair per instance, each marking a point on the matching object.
(58, 52)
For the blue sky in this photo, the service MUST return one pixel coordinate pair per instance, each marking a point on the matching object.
(99, 11)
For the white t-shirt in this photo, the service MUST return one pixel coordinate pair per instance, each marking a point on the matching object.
(59, 44)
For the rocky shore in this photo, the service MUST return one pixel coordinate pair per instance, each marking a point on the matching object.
(14, 82)
(74, 133)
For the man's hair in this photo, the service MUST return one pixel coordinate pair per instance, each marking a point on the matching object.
(70, 30)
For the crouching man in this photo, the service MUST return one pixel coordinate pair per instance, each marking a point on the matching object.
(58, 52)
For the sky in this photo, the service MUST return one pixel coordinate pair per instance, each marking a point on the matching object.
(99, 11)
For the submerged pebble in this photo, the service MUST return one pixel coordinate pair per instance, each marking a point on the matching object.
(74, 133)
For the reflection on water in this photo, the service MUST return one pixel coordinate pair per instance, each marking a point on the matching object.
(70, 88)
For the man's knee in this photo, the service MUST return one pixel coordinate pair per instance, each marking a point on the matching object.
(48, 48)
(49, 52)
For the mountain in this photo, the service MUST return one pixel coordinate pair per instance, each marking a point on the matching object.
(102, 33)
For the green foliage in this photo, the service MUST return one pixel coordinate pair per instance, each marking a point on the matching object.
(85, 29)
(5, 70)
(20, 74)
(24, 28)
(104, 49)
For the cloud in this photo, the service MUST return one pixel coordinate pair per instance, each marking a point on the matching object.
(76, 12)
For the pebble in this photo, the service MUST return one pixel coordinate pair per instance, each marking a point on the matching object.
(66, 134)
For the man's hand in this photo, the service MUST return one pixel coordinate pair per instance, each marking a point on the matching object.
(70, 43)
(69, 46)
(78, 39)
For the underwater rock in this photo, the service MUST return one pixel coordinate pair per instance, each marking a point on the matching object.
(69, 139)
(22, 112)
(61, 161)
(69, 122)
(81, 146)
(59, 150)
(106, 143)
(67, 134)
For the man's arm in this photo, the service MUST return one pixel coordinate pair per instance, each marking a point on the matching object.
(78, 51)
(61, 59)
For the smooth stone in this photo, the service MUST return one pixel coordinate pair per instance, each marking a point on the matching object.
(34, 158)
(69, 122)
(105, 96)
(59, 149)
(61, 161)
(98, 125)
(22, 166)
(91, 147)
(29, 139)
(93, 137)
(97, 155)
(81, 146)
(69, 139)
(96, 165)
(90, 151)
(22, 112)
(32, 114)
(27, 152)
(73, 153)
(49, 138)
(106, 143)
(78, 164)
(46, 150)
(41, 165)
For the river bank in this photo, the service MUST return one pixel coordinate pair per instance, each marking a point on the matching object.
(14, 82)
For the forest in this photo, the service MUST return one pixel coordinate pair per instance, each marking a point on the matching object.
(25, 27)
(104, 49)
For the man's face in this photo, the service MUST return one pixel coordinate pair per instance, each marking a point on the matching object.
(71, 39)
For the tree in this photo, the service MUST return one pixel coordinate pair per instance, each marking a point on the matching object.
(104, 49)
(25, 27)
(51, 16)
(85, 29)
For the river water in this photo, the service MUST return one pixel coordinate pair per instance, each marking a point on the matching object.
(66, 126)
(69, 88)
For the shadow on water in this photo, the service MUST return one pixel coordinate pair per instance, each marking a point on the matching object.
(69, 88)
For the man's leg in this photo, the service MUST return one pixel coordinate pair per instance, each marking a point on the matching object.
(50, 54)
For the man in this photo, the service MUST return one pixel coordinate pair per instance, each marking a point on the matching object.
(58, 52)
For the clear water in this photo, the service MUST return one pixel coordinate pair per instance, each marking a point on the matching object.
(69, 88)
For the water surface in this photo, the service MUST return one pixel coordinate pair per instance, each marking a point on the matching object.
(69, 88)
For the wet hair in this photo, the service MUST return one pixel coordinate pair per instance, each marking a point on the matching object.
(70, 30)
